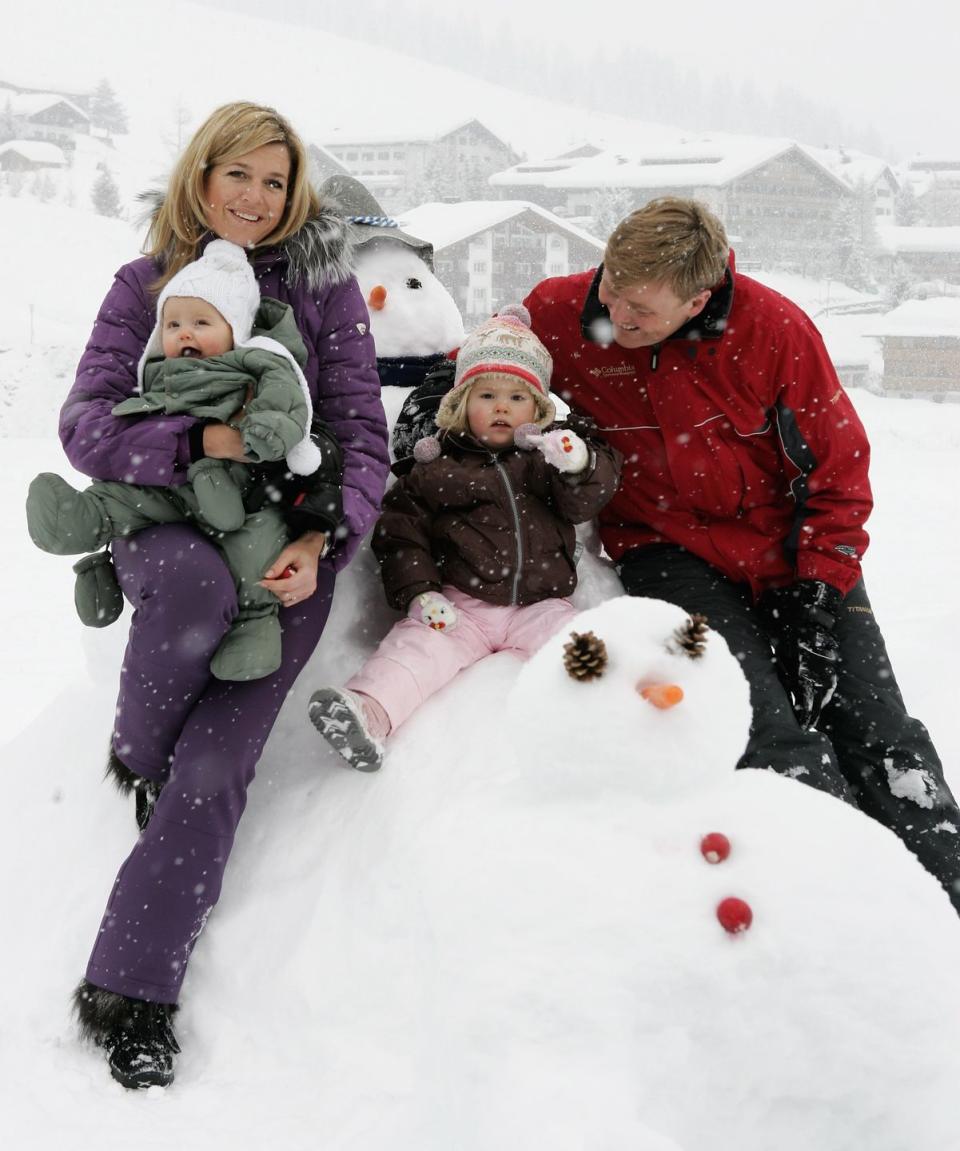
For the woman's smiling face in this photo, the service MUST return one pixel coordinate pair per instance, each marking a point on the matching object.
(244, 199)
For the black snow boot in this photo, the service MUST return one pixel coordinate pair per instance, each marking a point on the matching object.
(136, 1036)
(146, 791)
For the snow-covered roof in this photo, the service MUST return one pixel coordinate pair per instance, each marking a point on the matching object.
(33, 103)
(425, 131)
(816, 296)
(847, 344)
(695, 162)
(936, 317)
(897, 238)
(936, 162)
(851, 166)
(36, 151)
(446, 224)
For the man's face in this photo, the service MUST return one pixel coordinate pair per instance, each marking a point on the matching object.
(645, 314)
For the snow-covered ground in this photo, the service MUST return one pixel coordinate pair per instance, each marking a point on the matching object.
(475, 950)
(463, 952)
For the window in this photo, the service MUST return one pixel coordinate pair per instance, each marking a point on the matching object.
(556, 241)
(479, 295)
(480, 266)
(383, 155)
(557, 269)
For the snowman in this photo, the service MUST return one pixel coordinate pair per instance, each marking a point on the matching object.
(788, 959)
(415, 322)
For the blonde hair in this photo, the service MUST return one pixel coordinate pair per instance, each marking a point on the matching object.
(226, 135)
(455, 416)
(676, 242)
(452, 415)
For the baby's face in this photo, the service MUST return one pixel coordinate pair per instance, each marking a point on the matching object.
(192, 327)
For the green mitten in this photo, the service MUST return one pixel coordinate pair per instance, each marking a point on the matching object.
(97, 591)
(218, 498)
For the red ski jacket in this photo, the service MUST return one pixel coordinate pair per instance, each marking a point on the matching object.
(739, 441)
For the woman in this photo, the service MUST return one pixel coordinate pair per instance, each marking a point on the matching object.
(186, 741)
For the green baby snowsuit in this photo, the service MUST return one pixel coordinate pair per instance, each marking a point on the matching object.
(65, 521)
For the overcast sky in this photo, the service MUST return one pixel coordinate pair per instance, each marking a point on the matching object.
(889, 64)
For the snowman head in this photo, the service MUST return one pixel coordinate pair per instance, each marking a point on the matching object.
(632, 696)
(411, 312)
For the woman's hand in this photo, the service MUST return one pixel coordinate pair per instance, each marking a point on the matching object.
(223, 443)
(300, 560)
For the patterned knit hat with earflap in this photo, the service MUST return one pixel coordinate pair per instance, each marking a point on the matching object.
(504, 345)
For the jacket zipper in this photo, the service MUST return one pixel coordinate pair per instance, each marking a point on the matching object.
(654, 357)
(516, 526)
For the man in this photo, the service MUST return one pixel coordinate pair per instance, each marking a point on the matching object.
(744, 496)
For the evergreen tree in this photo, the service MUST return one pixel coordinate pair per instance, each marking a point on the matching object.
(106, 111)
(941, 202)
(447, 180)
(899, 284)
(105, 194)
(867, 220)
(850, 262)
(906, 206)
(613, 204)
(442, 176)
(43, 187)
(7, 130)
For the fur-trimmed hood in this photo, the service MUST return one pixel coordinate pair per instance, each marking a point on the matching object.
(321, 253)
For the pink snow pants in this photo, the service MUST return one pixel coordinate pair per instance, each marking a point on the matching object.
(414, 661)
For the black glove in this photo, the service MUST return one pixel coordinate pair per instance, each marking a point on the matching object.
(800, 620)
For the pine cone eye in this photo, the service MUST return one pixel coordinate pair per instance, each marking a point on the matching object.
(691, 639)
(585, 656)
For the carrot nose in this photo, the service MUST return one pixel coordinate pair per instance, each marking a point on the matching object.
(662, 695)
(377, 297)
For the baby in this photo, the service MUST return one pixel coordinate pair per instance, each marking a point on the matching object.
(203, 360)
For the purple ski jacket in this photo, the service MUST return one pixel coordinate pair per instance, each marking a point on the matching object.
(310, 271)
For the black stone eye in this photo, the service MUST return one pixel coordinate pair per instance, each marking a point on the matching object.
(413, 282)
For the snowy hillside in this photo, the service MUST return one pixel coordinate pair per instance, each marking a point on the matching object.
(320, 81)
(464, 952)
(498, 942)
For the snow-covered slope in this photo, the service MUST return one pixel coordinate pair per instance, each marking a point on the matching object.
(320, 81)
(337, 997)
(435, 957)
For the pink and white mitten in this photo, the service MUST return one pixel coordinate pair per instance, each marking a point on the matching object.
(433, 609)
(564, 450)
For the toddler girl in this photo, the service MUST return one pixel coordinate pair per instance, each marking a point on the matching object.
(476, 543)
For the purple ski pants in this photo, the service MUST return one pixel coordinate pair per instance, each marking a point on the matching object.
(199, 735)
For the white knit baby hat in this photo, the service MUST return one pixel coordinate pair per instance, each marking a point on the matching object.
(224, 278)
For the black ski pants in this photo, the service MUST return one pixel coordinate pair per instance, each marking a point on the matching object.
(867, 751)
